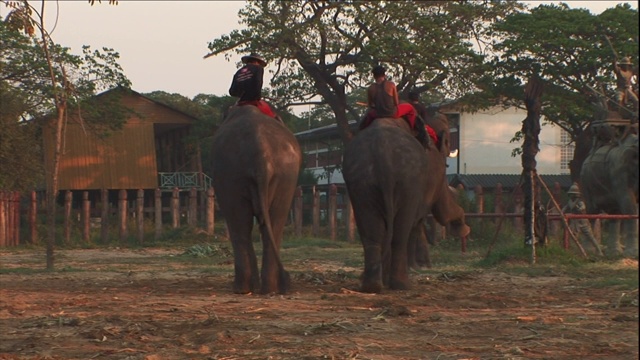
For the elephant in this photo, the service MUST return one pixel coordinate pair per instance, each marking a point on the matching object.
(393, 183)
(256, 160)
(609, 183)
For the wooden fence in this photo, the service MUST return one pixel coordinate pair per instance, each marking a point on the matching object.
(326, 209)
(319, 211)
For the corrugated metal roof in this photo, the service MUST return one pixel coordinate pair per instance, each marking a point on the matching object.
(323, 131)
(508, 181)
(127, 159)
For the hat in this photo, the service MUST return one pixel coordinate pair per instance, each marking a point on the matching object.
(378, 70)
(574, 189)
(254, 57)
(625, 61)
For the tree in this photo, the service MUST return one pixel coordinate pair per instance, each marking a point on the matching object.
(71, 81)
(569, 50)
(20, 153)
(323, 50)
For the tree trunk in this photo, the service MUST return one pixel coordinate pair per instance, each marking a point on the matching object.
(530, 148)
(52, 186)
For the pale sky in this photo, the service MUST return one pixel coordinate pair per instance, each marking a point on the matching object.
(161, 43)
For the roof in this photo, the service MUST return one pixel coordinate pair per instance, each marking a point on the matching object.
(131, 91)
(508, 181)
(323, 131)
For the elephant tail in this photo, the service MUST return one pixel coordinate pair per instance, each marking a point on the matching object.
(389, 212)
(261, 210)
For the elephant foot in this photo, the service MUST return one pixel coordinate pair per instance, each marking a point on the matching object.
(373, 287)
(281, 285)
(399, 284)
(244, 284)
(242, 288)
(631, 253)
(371, 284)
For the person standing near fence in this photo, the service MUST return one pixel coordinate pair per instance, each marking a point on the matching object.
(581, 226)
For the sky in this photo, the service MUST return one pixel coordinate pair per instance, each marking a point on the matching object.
(162, 43)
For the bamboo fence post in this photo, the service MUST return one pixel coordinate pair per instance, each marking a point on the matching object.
(140, 215)
(499, 205)
(192, 219)
(211, 209)
(479, 199)
(158, 213)
(297, 209)
(332, 212)
(104, 217)
(3, 219)
(175, 208)
(518, 207)
(33, 217)
(16, 218)
(10, 218)
(68, 197)
(86, 218)
(315, 211)
(122, 214)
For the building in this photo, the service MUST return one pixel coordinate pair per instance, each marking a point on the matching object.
(151, 151)
(482, 141)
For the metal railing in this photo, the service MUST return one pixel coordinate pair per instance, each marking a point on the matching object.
(184, 180)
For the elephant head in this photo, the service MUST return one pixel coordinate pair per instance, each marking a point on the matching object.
(256, 160)
(393, 184)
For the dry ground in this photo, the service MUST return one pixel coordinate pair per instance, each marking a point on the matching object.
(157, 304)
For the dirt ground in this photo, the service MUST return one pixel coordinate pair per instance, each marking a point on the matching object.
(144, 304)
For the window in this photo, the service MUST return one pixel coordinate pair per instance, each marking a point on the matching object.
(567, 147)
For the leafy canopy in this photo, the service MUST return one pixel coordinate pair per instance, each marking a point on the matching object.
(322, 50)
(572, 51)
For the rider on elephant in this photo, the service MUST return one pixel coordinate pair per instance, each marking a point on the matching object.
(436, 126)
(624, 74)
(247, 84)
(383, 101)
(577, 206)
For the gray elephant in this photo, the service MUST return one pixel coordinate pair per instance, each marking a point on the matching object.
(609, 183)
(256, 161)
(393, 184)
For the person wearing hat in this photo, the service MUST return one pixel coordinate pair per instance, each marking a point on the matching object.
(576, 206)
(436, 126)
(624, 74)
(383, 101)
(247, 84)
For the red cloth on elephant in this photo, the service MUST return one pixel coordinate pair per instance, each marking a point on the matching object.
(432, 134)
(405, 111)
(261, 105)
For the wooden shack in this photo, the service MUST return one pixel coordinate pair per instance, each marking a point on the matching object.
(150, 151)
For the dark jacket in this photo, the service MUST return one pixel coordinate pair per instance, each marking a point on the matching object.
(247, 83)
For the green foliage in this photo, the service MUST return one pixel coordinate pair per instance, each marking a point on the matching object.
(325, 49)
(207, 250)
(19, 154)
(29, 94)
(307, 177)
(568, 49)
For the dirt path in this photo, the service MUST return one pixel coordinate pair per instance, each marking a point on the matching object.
(121, 304)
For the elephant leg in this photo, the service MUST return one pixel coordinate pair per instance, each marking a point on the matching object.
(629, 229)
(399, 269)
(240, 224)
(274, 277)
(418, 250)
(613, 247)
(372, 230)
